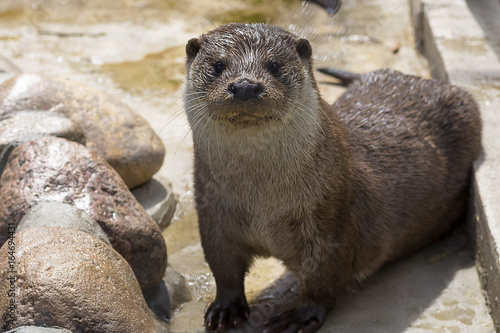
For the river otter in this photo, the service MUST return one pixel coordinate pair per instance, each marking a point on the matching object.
(333, 191)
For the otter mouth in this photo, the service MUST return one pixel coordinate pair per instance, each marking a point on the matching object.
(243, 118)
(250, 113)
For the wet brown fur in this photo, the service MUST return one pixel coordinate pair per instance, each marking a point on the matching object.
(334, 191)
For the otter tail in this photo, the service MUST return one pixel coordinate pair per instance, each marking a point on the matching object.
(346, 78)
(331, 6)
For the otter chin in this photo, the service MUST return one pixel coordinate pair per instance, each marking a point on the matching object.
(246, 119)
(333, 191)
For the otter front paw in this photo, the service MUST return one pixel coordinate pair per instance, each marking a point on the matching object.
(305, 319)
(225, 314)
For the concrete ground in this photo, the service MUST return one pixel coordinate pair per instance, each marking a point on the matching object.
(134, 50)
(461, 40)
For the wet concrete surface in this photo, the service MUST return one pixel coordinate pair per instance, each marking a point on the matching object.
(456, 39)
(134, 50)
(487, 15)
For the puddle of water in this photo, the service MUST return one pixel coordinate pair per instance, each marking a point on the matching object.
(253, 11)
(163, 72)
(139, 11)
(89, 11)
(159, 73)
(183, 230)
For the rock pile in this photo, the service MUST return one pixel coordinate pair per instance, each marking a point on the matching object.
(55, 169)
(111, 128)
(68, 278)
(78, 252)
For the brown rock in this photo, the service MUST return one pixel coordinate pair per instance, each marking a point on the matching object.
(54, 169)
(112, 128)
(38, 329)
(16, 126)
(63, 215)
(70, 279)
(23, 126)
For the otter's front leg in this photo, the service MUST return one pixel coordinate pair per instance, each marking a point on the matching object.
(229, 262)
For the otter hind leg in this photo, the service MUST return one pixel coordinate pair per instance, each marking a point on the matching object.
(331, 6)
(321, 280)
(307, 318)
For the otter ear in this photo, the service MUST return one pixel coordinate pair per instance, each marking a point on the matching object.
(303, 48)
(192, 48)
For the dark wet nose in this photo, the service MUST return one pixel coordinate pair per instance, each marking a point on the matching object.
(245, 90)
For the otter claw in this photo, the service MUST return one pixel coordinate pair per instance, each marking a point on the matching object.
(222, 316)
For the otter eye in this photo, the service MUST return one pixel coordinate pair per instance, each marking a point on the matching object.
(218, 68)
(274, 68)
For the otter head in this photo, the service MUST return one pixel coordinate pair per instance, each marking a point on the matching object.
(248, 75)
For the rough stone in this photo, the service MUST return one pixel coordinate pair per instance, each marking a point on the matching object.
(177, 287)
(20, 127)
(70, 279)
(37, 329)
(112, 128)
(17, 126)
(159, 302)
(157, 200)
(55, 169)
(57, 214)
(169, 294)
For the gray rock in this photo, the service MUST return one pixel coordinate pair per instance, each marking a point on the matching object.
(57, 214)
(159, 302)
(70, 279)
(37, 329)
(158, 201)
(111, 128)
(169, 294)
(177, 287)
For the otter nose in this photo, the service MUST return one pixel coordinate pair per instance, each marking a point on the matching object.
(245, 90)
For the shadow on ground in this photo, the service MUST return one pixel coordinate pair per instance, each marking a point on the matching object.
(393, 299)
(487, 15)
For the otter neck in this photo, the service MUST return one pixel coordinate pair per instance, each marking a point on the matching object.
(274, 166)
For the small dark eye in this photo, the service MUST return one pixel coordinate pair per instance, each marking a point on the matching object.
(274, 68)
(218, 67)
